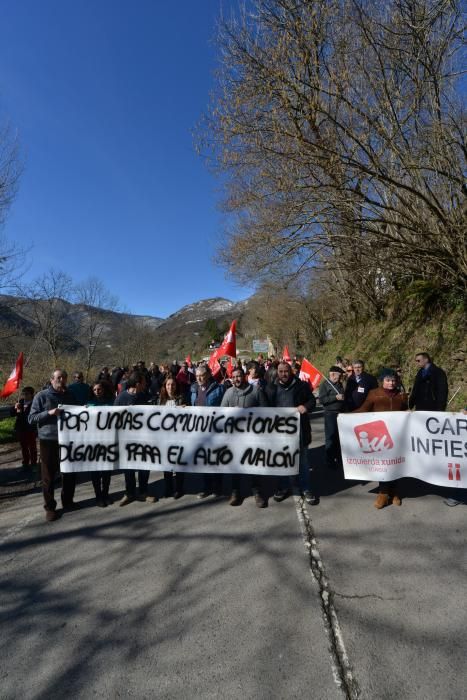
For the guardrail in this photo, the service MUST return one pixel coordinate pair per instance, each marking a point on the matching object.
(5, 412)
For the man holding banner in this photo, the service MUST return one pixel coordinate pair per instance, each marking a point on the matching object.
(44, 414)
(430, 393)
(288, 390)
(245, 395)
(207, 392)
(135, 395)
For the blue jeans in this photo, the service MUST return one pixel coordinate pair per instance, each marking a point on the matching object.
(303, 477)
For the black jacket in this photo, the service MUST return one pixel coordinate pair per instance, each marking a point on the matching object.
(327, 397)
(301, 395)
(126, 399)
(353, 398)
(22, 424)
(430, 393)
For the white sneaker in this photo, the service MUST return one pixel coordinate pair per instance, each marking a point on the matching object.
(126, 500)
(452, 502)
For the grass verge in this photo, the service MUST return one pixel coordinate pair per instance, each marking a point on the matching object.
(7, 427)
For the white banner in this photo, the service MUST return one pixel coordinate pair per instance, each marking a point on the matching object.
(205, 440)
(426, 445)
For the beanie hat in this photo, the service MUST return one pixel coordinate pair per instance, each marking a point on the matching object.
(335, 368)
(387, 372)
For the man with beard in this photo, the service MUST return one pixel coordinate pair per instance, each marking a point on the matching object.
(244, 395)
(205, 391)
(289, 390)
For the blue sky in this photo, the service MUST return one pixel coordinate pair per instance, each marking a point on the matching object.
(104, 97)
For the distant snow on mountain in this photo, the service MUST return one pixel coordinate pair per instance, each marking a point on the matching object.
(203, 310)
(15, 312)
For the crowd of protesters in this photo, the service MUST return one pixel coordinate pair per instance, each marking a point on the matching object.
(261, 382)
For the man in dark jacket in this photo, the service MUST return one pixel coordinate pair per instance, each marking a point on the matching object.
(115, 377)
(156, 382)
(205, 391)
(141, 368)
(44, 415)
(331, 396)
(288, 390)
(430, 393)
(244, 395)
(358, 386)
(430, 389)
(80, 390)
(135, 395)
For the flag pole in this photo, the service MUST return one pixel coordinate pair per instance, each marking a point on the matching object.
(330, 384)
(454, 395)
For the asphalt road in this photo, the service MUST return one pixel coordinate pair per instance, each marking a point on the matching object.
(196, 599)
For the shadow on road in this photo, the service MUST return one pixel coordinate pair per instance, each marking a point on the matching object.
(196, 602)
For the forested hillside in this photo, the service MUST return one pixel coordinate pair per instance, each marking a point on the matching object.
(339, 129)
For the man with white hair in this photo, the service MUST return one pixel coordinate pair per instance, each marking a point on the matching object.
(45, 410)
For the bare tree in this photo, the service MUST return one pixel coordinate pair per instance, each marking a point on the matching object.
(341, 128)
(301, 312)
(12, 256)
(94, 303)
(47, 304)
(10, 169)
(133, 340)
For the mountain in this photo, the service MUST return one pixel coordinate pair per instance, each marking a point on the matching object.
(19, 313)
(202, 311)
(24, 322)
(191, 329)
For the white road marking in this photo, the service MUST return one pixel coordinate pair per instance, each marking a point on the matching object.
(341, 668)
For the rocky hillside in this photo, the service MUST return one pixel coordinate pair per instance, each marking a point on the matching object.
(191, 329)
(202, 311)
(16, 313)
(188, 330)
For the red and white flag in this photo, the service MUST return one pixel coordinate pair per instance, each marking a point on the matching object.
(286, 355)
(214, 365)
(309, 373)
(229, 344)
(230, 368)
(188, 360)
(14, 380)
(227, 347)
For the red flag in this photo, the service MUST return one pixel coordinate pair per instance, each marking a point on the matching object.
(230, 368)
(213, 364)
(229, 344)
(14, 380)
(309, 373)
(286, 355)
(188, 360)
